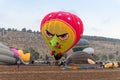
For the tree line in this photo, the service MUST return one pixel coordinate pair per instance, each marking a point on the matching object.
(99, 38)
(3, 30)
(96, 38)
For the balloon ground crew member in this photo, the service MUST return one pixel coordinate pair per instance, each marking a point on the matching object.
(18, 64)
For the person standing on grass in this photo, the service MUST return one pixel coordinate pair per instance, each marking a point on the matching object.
(18, 65)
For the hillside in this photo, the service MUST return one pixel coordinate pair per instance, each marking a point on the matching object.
(24, 40)
(107, 48)
(28, 39)
(103, 45)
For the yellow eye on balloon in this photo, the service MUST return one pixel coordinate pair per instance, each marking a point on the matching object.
(63, 36)
(48, 34)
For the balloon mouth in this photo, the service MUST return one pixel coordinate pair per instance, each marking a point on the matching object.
(58, 46)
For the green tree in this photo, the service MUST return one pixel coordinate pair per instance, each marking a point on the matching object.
(9, 29)
(46, 57)
(30, 31)
(118, 58)
(24, 29)
(96, 57)
(117, 52)
(3, 31)
(13, 29)
(34, 55)
(104, 57)
(111, 56)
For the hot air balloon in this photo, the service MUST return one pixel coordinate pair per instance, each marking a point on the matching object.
(61, 31)
(12, 55)
(80, 57)
(83, 43)
(89, 50)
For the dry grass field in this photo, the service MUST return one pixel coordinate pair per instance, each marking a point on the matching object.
(56, 73)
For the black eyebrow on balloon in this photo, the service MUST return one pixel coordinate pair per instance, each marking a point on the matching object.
(62, 34)
(50, 33)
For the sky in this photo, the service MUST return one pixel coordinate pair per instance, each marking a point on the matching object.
(100, 17)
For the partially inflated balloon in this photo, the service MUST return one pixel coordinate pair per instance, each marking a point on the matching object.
(61, 31)
(89, 50)
(12, 55)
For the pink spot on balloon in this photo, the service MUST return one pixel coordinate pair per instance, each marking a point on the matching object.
(69, 18)
(78, 23)
(59, 14)
(50, 15)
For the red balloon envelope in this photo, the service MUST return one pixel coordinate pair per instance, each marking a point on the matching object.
(61, 31)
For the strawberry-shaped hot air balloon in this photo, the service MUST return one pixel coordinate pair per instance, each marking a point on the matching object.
(61, 31)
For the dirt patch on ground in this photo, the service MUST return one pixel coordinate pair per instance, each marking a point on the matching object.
(56, 73)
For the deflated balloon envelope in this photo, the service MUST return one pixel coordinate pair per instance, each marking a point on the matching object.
(11, 55)
(61, 31)
(80, 57)
(6, 55)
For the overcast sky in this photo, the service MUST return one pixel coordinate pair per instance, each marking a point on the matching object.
(100, 17)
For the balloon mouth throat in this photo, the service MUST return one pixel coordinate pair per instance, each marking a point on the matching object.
(57, 56)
